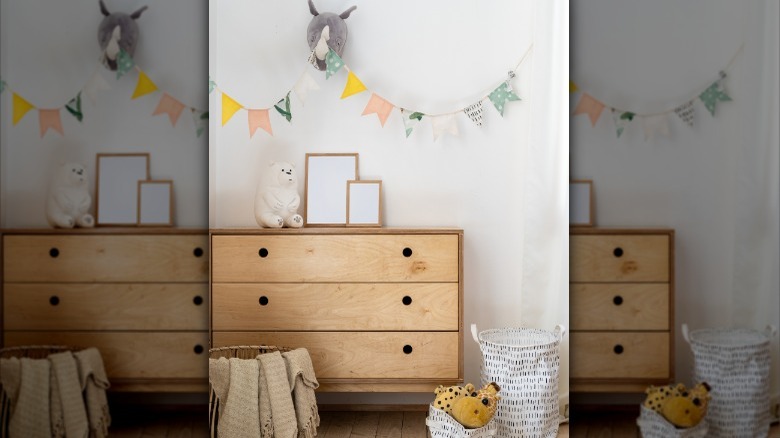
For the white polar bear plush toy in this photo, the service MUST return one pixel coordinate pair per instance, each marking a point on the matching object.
(69, 201)
(277, 199)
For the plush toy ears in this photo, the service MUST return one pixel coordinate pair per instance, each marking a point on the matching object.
(312, 9)
(344, 15)
(138, 13)
(103, 9)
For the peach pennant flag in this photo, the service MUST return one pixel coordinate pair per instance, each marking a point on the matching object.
(169, 105)
(590, 106)
(259, 119)
(50, 118)
(380, 107)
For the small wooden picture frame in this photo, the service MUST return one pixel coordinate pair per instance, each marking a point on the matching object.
(116, 193)
(581, 203)
(326, 190)
(364, 203)
(155, 203)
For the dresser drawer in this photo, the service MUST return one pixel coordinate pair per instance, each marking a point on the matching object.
(344, 355)
(642, 355)
(335, 258)
(335, 306)
(619, 306)
(620, 258)
(105, 258)
(133, 355)
(105, 306)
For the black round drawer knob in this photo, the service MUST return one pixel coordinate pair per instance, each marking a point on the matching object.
(263, 300)
(54, 252)
(198, 300)
(407, 252)
(263, 252)
(407, 300)
(617, 252)
(198, 252)
(198, 349)
(618, 300)
(407, 349)
(618, 349)
(54, 300)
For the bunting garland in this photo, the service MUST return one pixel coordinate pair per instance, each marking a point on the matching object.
(656, 123)
(50, 118)
(442, 123)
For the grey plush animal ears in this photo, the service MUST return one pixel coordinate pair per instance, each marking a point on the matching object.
(336, 37)
(117, 31)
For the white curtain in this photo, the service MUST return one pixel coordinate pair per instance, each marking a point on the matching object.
(756, 288)
(545, 237)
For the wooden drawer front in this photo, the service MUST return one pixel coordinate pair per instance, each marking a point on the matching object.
(619, 306)
(106, 306)
(334, 258)
(619, 258)
(108, 258)
(345, 355)
(133, 355)
(644, 355)
(333, 306)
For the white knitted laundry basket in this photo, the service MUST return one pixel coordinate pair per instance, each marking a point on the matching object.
(735, 363)
(654, 425)
(442, 425)
(525, 363)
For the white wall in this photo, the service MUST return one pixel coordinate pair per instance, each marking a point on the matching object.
(433, 56)
(48, 51)
(646, 56)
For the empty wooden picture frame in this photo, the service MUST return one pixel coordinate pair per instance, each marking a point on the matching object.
(364, 203)
(116, 193)
(581, 203)
(326, 188)
(155, 203)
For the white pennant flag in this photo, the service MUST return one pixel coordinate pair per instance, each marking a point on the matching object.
(305, 84)
(411, 120)
(686, 112)
(445, 123)
(475, 113)
(655, 123)
(96, 83)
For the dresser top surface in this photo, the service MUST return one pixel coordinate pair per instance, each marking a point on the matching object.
(98, 231)
(332, 231)
(622, 231)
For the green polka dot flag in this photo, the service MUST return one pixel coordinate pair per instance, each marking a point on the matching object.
(712, 95)
(501, 95)
(333, 63)
(124, 62)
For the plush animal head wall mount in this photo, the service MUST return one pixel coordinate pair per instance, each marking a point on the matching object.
(117, 30)
(334, 37)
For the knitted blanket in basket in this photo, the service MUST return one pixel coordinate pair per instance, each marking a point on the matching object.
(68, 415)
(94, 384)
(26, 383)
(300, 374)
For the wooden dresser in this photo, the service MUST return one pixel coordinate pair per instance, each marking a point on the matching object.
(621, 298)
(378, 309)
(139, 295)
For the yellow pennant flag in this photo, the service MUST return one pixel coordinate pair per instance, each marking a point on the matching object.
(229, 107)
(144, 85)
(572, 87)
(354, 86)
(20, 108)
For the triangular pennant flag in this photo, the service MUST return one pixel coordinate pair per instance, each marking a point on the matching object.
(124, 63)
(621, 119)
(590, 106)
(333, 63)
(380, 107)
(474, 112)
(501, 95)
(285, 112)
(411, 119)
(712, 95)
(572, 87)
(259, 119)
(2, 86)
(444, 123)
(74, 107)
(144, 85)
(686, 112)
(229, 107)
(201, 120)
(354, 86)
(96, 83)
(50, 118)
(20, 108)
(655, 123)
(212, 85)
(169, 105)
(305, 84)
